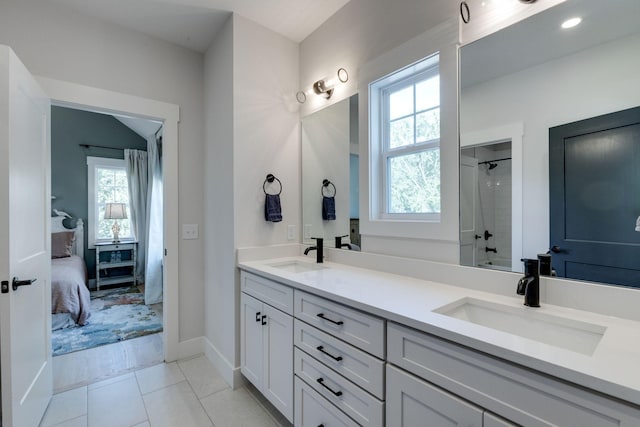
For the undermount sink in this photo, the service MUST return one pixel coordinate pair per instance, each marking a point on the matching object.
(575, 335)
(295, 266)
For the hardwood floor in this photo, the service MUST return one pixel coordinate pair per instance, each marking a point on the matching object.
(80, 368)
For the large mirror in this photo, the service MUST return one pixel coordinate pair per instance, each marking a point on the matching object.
(330, 174)
(578, 84)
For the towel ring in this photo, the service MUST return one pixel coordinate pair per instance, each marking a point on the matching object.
(270, 178)
(325, 184)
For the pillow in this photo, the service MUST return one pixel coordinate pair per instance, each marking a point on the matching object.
(61, 244)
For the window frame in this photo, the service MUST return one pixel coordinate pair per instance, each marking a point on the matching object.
(387, 153)
(92, 214)
(380, 122)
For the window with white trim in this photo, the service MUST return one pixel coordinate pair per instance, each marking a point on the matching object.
(406, 144)
(107, 183)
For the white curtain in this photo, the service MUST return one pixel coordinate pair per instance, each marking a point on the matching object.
(137, 173)
(154, 235)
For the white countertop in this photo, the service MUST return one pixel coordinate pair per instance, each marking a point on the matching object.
(612, 369)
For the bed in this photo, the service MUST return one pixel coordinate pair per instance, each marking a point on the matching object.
(70, 298)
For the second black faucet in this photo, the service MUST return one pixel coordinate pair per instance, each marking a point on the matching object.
(318, 248)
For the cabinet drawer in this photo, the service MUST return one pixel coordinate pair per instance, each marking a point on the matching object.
(356, 365)
(516, 393)
(365, 409)
(355, 327)
(313, 410)
(268, 291)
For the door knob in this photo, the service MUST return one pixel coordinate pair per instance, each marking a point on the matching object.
(15, 284)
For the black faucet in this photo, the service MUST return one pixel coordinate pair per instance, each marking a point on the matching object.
(317, 248)
(339, 244)
(545, 268)
(529, 285)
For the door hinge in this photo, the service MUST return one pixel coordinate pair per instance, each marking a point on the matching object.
(165, 251)
(5, 287)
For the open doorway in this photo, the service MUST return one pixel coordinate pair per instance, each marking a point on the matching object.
(107, 287)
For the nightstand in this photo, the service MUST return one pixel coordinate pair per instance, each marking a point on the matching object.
(111, 271)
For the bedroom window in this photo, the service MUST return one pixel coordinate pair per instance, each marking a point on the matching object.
(107, 183)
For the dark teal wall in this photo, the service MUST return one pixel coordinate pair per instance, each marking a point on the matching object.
(69, 128)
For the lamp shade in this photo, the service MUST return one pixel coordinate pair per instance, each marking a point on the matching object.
(115, 211)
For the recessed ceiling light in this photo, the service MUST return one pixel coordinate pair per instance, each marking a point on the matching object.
(570, 23)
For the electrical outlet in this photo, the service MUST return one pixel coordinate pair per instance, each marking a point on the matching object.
(291, 232)
(189, 231)
(307, 231)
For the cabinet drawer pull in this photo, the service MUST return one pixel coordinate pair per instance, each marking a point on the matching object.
(335, 322)
(264, 317)
(320, 425)
(323, 351)
(335, 393)
(257, 316)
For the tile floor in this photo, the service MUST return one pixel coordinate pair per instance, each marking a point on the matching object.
(185, 393)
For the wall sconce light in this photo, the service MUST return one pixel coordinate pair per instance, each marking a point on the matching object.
(324, 86)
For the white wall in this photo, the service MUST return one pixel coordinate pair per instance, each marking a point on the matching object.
(251, 77)
(548, 95)
(58, 43)
(360, 32)
(356, 35)
(266, 131)
(219, 190)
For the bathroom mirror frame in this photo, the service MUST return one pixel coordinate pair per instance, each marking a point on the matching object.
(516, 57)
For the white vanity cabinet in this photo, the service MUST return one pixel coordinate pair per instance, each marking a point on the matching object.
(339, 363)
(522, 396)
(267, 339)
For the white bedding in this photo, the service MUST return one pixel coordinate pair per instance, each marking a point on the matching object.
(69, 292)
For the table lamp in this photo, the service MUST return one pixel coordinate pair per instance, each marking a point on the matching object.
(115, 211)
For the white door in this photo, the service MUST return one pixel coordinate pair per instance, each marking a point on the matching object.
(25, 248)
(468, 209)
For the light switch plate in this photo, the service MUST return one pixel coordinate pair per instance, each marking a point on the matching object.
(189, 231)
(291, 232)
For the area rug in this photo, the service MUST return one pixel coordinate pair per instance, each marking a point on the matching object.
(116, 315)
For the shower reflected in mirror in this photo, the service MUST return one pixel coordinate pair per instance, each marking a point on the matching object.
(486, 193)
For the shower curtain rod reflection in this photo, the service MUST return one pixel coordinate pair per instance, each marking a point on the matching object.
(493, 161)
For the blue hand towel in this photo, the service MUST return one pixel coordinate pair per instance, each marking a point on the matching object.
(328, 208)
(272, 209)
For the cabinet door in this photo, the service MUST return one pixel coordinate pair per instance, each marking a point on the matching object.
(251, 336)
(278, 360)
(413, 402)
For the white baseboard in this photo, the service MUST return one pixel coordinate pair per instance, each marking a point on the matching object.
(230, 374)
(190, 348)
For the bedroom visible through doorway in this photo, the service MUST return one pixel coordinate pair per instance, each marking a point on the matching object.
(106, 176)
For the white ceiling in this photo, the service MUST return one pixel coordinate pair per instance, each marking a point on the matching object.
(142, 127)
(194, 23)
